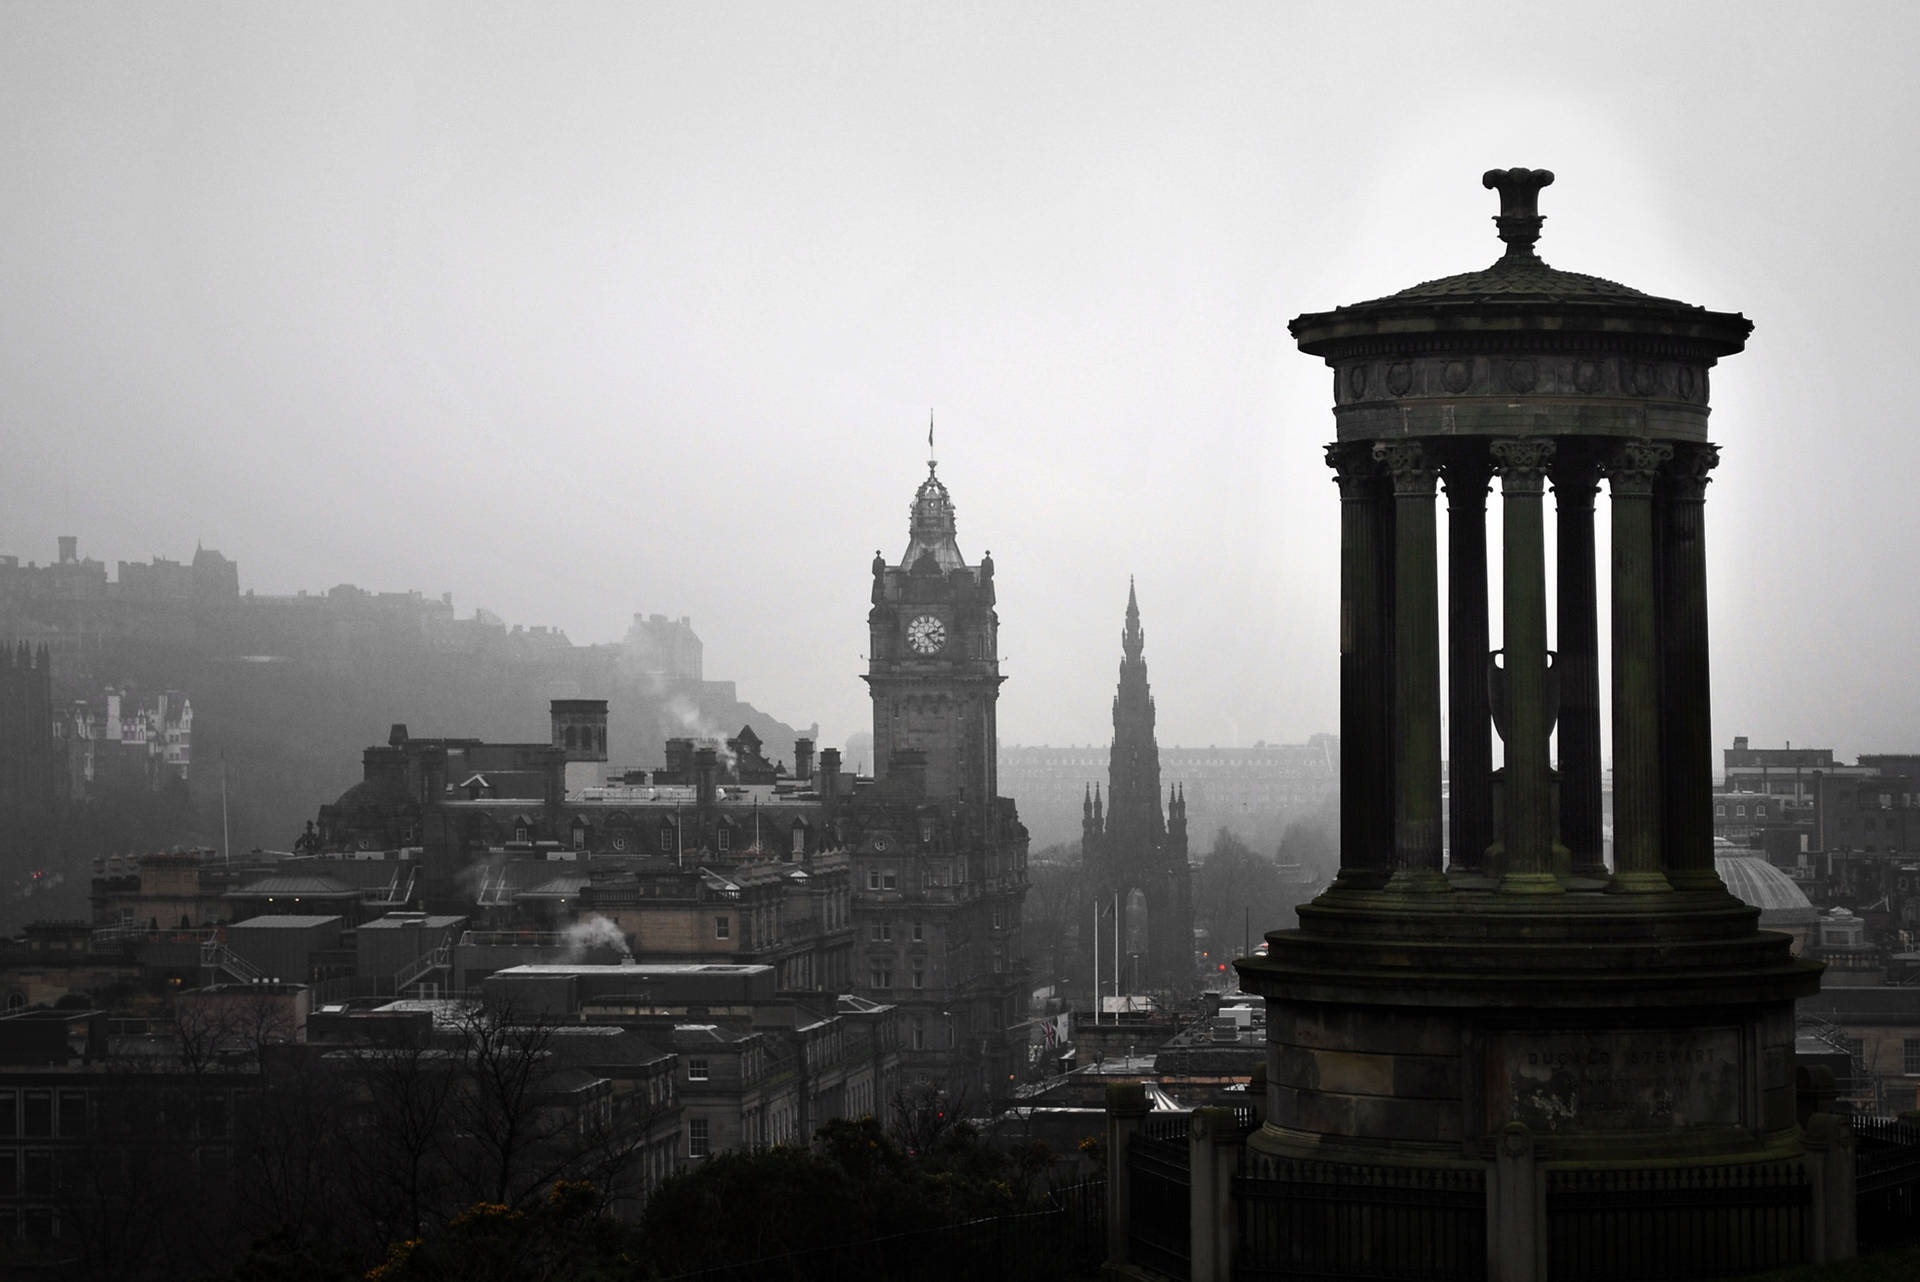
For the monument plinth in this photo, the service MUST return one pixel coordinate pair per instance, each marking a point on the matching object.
(1480, 966)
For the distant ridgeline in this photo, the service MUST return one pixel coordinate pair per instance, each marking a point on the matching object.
(286, 689)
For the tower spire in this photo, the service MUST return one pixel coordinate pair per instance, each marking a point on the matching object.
(1133, 638)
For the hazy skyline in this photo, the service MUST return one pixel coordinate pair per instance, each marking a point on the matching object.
(577, 311)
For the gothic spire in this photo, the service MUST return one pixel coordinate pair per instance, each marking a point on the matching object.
(1132, 639)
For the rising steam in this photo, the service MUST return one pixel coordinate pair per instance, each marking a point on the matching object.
(594, 932)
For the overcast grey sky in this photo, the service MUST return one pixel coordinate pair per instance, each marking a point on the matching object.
(576, 310)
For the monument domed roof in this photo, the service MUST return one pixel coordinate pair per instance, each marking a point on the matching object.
(1520, 284)
(1524, 276)
(1759, 884)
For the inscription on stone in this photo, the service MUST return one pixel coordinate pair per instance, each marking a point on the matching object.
(1577, 1081)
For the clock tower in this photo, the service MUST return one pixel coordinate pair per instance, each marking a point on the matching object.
(939, 859)
(934, 665)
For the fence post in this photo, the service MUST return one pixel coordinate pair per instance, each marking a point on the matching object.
(1213, 1152)
(1516, 1239)
(1126, 1109)
(1829, 1144)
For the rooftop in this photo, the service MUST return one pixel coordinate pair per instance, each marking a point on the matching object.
(1759, 884)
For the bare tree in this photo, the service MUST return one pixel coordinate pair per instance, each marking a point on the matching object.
(921, 1112)
(526, 1117)
(401, 1169)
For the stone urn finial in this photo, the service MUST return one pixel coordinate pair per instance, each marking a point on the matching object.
(1519, 218)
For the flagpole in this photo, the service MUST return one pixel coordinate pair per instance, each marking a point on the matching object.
(1096, 961)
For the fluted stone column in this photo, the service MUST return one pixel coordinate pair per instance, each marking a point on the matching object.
(1578, 663)
(1366, 798)
(1416, 668)
(1636, 670)
(1469, 724)
(1527, 819)
(1686, 726)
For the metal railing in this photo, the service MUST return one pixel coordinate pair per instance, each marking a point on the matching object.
(1160, 1231)
(1306, 1219)
(1068, 1239)
(513, 939)
(1886, 1172)
(216, 956)
(1677, 1221)
(439, 958)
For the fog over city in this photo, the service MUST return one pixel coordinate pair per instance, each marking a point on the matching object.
(575, 311)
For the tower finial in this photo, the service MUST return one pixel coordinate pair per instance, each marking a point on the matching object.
(931, 462)
(1519, 218)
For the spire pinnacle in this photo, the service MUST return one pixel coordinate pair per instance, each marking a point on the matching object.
(1133, 638)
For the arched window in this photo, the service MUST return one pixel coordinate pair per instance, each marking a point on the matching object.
(572, 741)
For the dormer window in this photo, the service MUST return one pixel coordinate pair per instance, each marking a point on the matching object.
(666, 838)
(723, 838)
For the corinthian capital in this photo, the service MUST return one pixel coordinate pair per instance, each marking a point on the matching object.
(1412, 469)
(1686, 477)
(1522, 464)
(1354, 469)
(1632, 467)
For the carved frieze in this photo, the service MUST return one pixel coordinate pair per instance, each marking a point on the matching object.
(1530, 374)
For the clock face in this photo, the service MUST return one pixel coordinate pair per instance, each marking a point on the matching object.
(926, 634)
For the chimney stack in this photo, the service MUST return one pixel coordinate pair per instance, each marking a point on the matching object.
(679, 763)
(830, 776)
(706, 771)
(803, 760)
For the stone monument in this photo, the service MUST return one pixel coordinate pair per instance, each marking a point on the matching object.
(1480, 994)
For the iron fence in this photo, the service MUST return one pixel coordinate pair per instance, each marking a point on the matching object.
(1886, 1172)
(1305, 1219)
(1159, 1231)
(1066, 1240)
(1676, 1222)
